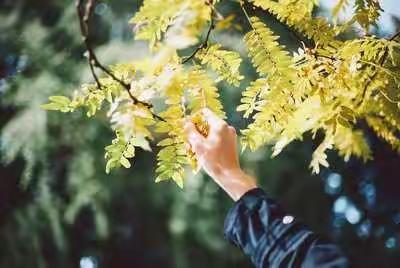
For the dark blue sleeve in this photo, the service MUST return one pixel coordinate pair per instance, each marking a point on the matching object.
(258, 226)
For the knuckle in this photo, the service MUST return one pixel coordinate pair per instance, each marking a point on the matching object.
(223, 127)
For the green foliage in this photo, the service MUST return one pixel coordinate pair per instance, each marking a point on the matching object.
(38, 145)
(327, 88)
(119, 152)
(26, 136)
(59, 103)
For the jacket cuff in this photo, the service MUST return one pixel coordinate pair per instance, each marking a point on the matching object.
(246, 203)
(257, 225)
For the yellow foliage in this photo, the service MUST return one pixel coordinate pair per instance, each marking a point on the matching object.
(225, 63)
(328, 87)
(182, 19)
(297, 14)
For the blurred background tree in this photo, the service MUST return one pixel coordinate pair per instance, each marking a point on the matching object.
(59, 209)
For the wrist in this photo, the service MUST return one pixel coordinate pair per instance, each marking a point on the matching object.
(236, 182)
(232, 174)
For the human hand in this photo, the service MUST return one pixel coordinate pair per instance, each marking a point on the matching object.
(217, 154)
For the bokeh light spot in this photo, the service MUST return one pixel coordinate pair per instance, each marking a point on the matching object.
(352, 214)
(340, 204)
(88, 262)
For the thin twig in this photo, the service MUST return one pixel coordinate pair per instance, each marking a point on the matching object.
(394, 36)
(85, 15)
(204, 44)
(388, 98)
(245, 13)
(84, 31)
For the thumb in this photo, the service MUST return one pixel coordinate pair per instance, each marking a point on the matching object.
(195, 138)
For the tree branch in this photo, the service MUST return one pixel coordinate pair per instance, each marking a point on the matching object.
(84, 15)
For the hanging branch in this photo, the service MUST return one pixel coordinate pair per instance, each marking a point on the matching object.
(84, 14)
(381, 64)
(299, 38)
(204, 44)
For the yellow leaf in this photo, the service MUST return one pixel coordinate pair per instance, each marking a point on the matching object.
(125, 162)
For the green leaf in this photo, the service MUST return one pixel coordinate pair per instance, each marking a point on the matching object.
(178, 179)
(166, 142)
(110, 165)
(125, 162)
(51, 106)
(129, 151)
(60, 99)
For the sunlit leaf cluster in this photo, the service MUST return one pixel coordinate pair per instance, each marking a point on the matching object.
(330, 85)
